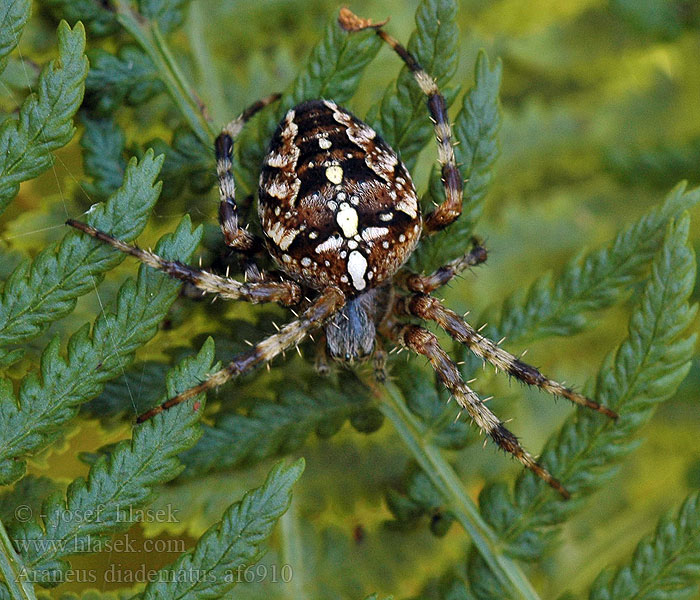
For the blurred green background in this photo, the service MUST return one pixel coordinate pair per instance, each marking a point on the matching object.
(601, 117)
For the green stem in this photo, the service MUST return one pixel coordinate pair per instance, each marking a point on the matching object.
(13, 570)
(148, 36)
(292, 553)
(445, 479)
(207, 78)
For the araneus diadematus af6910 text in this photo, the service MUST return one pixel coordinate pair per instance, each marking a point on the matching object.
(340, 217)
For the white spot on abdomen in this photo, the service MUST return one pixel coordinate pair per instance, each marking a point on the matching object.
(347, 220)
(357, 267)
(282, 236)
(334, 174)
(332, 243)
(372, 233)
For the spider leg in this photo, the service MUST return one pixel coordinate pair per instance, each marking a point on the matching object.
(422, 341)
(429, 308)
(285, 292)
(379, 361)
(451, 208)
(235, 236)
(290, 335)
(321, 363)
(429, 283)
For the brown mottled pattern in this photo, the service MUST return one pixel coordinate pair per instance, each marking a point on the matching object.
(305, 230)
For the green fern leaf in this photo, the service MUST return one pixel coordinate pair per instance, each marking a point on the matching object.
(332, 71)
(232, 544)
(45, 404)
(421, 498)
(103, 144)
(271, 429)
(645, 370)
(665, 565)
(167, 13)
(45, 120)
(188, 164)
(660, 166)
(44, 290)
(118, 482)
(427, 399)
(29, 491)
(590, 282)
(665, 19)
(404, 121)
(476, 131)
(127, 77)
(98, 19)
(448, 587)
(14, 14)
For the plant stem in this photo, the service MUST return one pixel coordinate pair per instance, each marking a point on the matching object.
(12, 569)
(445, 479)
(292, 553)
(208, 78)
(148, 36)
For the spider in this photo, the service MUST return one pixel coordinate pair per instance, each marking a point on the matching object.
(340, 217)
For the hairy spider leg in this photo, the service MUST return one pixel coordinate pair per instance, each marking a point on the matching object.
(450, 209)
(415, 282)
(328, 303)
(431, 309)
(235, 236)
(285, 292)
(422, 341)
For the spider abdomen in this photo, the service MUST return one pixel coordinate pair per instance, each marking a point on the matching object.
(337, 206)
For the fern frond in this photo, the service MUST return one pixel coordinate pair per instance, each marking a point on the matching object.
(127, 77)
(232, 544)
(14, 14)
(45, 121)
(29, 491)
(274, 428)
(664, 20)
(167, 13)
(404, 121)
(660, 166)
(421, 498)
(593, 281)
(428, 400)
(44, 290)
(450, 586)
(98, 19)
(333, 71)
(29, 422)
(103, 144)
(664, 565)
(188, 163)
(118, 482)
(645, 370)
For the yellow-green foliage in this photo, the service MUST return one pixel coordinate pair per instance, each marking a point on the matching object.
(577, 124)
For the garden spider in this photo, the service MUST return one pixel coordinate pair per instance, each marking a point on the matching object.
(340, 217)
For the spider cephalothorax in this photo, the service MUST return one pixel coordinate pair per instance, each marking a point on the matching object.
(340, 216)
